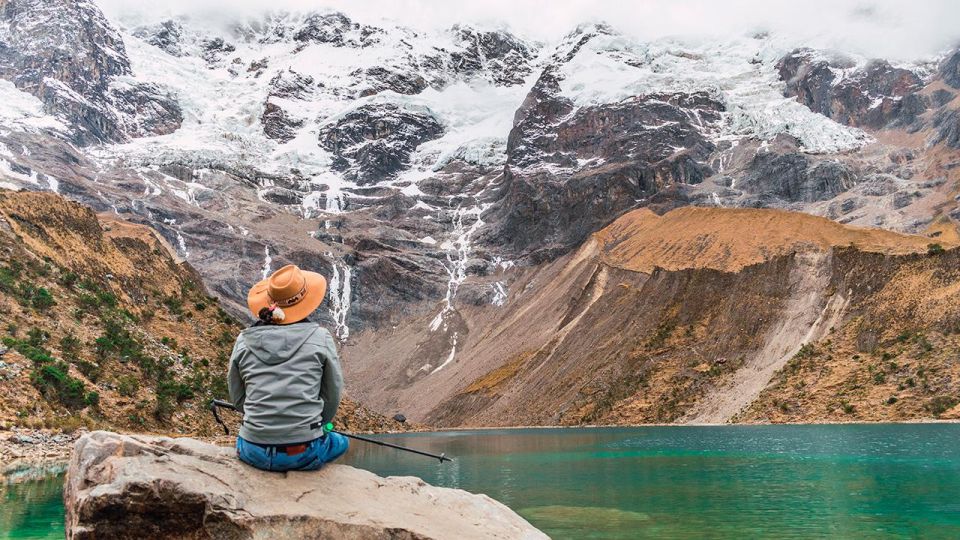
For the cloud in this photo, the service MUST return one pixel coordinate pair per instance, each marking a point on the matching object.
(896, 29)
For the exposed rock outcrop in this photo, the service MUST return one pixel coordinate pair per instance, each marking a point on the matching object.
(374, 142)
(873, 96)
(572, 168)
(793, 177)
(278, 124)
(499, 55)
(950, 69)
(172, 37)
(946, 124)
(335, 29)
(155, 487)
(68, 54)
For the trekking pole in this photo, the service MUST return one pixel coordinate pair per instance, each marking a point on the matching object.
(328, 428)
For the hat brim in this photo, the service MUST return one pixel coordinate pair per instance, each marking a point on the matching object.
(259, 298)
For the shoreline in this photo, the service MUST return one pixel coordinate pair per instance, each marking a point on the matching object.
(24, 449)
(733, 424)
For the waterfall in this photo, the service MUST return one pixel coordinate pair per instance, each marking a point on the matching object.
(499, 294)
(182, 244)
(340, 298)
(458, 254)
(336, 200)
(267, 260)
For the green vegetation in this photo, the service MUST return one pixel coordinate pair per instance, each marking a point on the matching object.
(92, 399)
(117, 342)
(90, 370)
(174, 304)
(76, 368)
(49, 375)
(128, 386)
(807, 350)
(225, 338)
(33, 352)
(53, 380)
(659, 338)
(42, 300)
(68, 280)
(70, 345)
(9, 275)
(934, 249)
(940, 404)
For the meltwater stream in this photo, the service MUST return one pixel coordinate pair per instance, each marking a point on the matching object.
(816, 481)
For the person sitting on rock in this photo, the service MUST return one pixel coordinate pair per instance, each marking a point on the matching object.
(285, 377)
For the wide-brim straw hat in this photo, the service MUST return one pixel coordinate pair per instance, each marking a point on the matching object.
(297, 292)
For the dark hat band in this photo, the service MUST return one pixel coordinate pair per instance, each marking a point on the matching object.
(287, 302)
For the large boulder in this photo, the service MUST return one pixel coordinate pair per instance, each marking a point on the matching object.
(133, 486)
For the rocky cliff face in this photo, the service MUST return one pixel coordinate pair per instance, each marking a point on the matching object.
(429, 174)
(374, 143)
(875, 95)
(134, 486)
(67, 54)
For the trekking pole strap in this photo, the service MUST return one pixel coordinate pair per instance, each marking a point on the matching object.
(214, 406)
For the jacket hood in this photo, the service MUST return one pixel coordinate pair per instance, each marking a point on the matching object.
(273, 344)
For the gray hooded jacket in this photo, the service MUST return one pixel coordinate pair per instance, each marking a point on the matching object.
(286, 381)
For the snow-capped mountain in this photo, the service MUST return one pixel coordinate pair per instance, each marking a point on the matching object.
(423, 171)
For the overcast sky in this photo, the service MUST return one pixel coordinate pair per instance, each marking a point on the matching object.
(896, 29)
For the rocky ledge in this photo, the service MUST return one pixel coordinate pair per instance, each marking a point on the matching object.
(123, 486)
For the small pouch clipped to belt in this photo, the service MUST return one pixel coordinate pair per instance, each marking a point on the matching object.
(294, 449)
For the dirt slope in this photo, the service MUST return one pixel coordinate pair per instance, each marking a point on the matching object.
(730, 239)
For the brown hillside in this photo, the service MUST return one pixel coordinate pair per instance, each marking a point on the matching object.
(729, 239)
(104, 328)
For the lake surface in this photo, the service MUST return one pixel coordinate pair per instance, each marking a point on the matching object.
(31, 504)
(837, 481)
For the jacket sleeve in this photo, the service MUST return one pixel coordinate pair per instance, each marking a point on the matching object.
(331, 385)
(238, 392)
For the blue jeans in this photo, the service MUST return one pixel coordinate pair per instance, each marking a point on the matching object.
(319, 451)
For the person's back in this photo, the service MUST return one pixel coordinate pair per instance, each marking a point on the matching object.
(285, 377)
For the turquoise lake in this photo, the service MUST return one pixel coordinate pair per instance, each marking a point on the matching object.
(824, 481)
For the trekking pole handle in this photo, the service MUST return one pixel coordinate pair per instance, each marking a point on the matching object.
(222, 403)
(214, 405)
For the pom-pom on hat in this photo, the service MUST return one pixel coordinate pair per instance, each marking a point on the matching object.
(293, 292)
